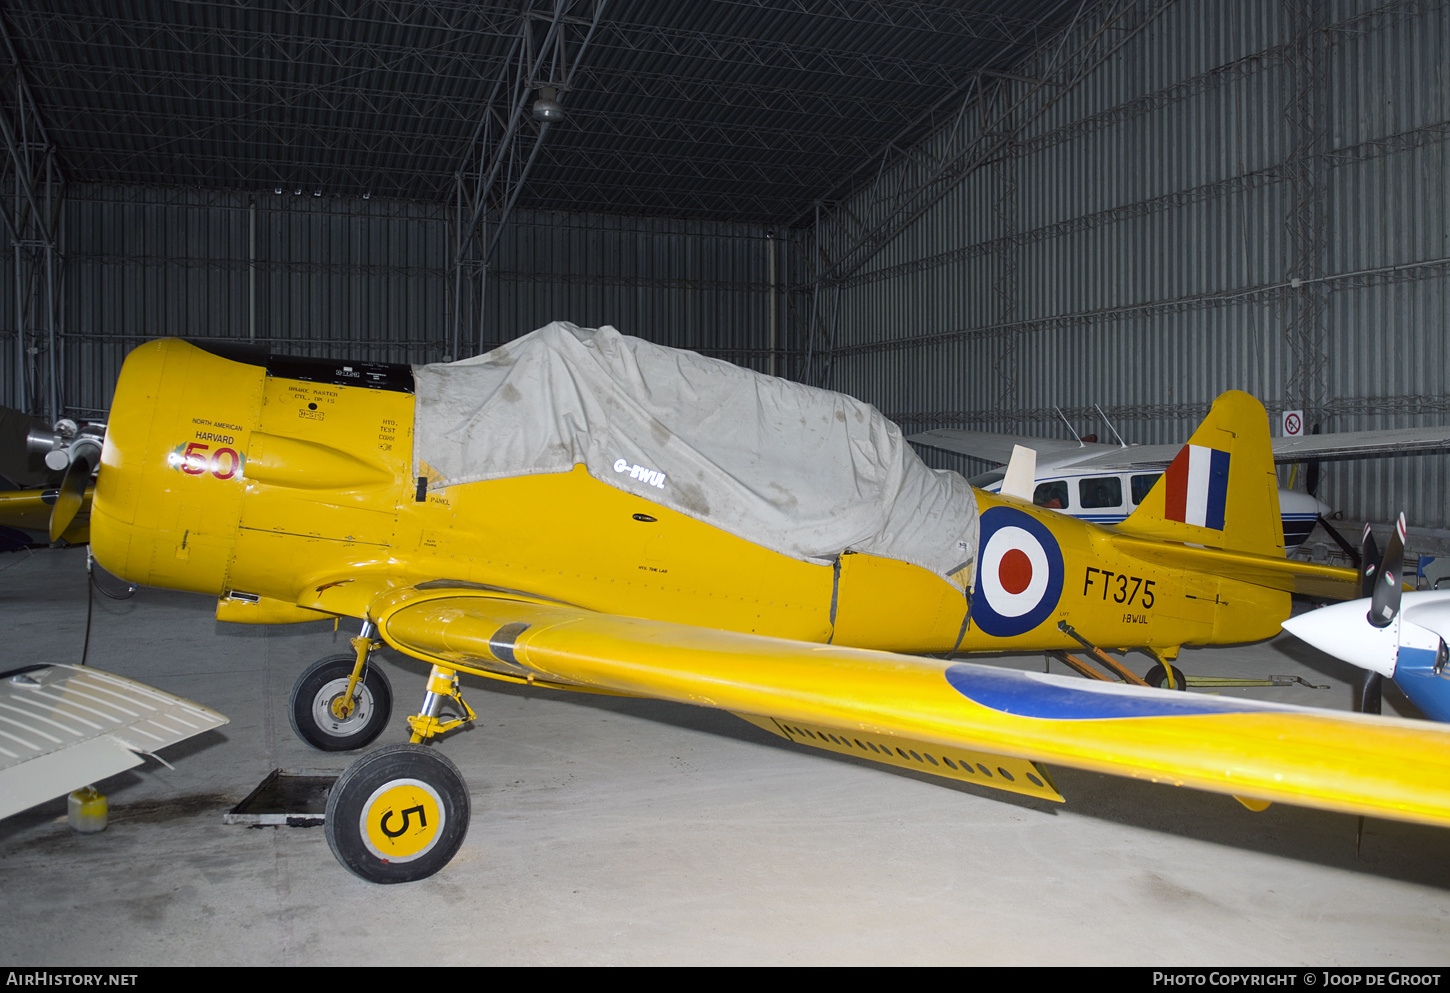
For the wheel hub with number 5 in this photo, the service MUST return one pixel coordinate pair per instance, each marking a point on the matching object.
(402, 820)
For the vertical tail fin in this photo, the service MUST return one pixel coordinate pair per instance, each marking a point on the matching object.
(1221, 490)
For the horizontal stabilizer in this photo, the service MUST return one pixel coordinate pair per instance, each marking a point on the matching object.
(1331, 582)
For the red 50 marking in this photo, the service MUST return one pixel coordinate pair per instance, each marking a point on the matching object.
(224, 463)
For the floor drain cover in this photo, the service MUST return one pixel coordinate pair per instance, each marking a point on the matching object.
(286, 798)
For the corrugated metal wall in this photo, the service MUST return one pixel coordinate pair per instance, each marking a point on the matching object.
(299, 274)
(687, 284)
(1135, 250)
(1155, 238)
(371, 278)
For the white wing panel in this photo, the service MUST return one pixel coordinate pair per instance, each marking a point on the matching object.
(62, 727)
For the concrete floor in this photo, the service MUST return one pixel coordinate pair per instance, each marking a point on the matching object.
(611, 831)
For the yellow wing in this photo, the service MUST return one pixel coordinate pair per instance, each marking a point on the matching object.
(1255, 751)
(25, 509)
(29, 510)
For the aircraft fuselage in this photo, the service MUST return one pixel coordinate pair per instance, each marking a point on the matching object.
(290, 494)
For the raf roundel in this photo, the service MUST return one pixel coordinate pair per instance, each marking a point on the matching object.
(1019, 573)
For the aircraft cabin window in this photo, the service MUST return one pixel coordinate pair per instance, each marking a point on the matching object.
(1101, 491)
(1051, 495)
(1142, 484)
(984, 479)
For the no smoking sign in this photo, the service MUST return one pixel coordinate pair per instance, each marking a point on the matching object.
(1293, 424)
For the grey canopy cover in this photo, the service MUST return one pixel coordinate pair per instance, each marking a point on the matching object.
(804, 472)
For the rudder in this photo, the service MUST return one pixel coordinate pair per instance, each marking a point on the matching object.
(1221, 490)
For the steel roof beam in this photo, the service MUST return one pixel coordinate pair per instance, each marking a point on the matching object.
(494, 166)
(370, 95)
(32, 221)
(913, 185)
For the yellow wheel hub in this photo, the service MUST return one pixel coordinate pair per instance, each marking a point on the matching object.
(402, 820)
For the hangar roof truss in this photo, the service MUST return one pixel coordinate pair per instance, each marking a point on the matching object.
(747, 110)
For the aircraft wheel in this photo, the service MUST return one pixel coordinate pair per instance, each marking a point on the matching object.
(1158, 676)
(320, 686)
(398, 814)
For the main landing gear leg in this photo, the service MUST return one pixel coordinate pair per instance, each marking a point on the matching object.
(340, 702)
(1165, 674)
(442, 684)
(401, 813)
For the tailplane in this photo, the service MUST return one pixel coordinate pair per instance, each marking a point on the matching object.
(1221, 490)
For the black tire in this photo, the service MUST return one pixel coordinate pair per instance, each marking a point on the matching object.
(324, 681)
(380, 793)
(1158, 676)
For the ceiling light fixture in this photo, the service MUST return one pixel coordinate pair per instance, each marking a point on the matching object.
(547, 109)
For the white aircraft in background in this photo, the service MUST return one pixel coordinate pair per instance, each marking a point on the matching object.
(1104, 483)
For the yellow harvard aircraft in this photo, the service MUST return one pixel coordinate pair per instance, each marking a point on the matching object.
(582, 510)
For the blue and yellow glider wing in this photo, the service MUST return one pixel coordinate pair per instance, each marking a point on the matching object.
(884, 706)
